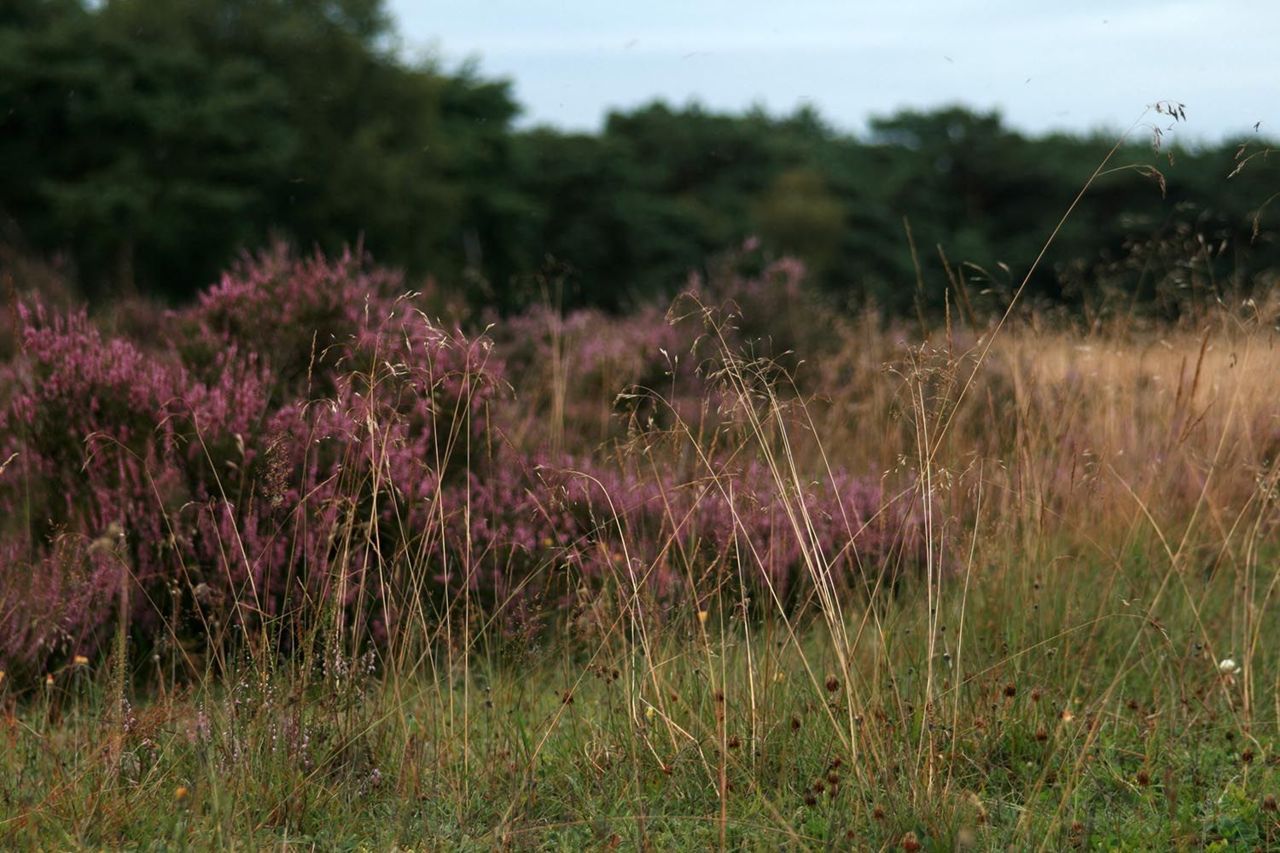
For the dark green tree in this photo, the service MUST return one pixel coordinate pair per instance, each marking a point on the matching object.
(142, 155)
(157, 138)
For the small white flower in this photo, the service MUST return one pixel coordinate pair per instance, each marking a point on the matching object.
(1227, 666)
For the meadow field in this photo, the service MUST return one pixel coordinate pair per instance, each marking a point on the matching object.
(304, 565)
(835, 432)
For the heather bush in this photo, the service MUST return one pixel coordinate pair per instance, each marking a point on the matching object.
(735, 522)
(105, 449)
(21, 275)
(301, 316)
(570, 370)
(303, 445)
(675, 535)
(234, 499)
(589, 375)
(767, 308)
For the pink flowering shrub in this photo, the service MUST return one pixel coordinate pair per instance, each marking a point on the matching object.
(549, 529)
(739, 515)
(600, 352)
(588, 375)
(103, 447)
(304, 439)
(305, 318)
(202, 479)
(578, 374)
(772, 312)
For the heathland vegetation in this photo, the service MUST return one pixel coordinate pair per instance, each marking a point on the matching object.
(657, 488)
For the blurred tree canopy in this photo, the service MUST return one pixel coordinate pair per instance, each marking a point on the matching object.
(153, 140)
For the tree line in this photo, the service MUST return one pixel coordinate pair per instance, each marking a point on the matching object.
(151, 141)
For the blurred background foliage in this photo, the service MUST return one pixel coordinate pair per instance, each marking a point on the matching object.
(147, 143)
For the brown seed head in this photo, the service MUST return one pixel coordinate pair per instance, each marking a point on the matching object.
(910, 843)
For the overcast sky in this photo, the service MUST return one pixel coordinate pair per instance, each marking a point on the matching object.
(1046, 65)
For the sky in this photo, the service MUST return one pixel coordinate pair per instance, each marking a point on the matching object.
(1075, 66)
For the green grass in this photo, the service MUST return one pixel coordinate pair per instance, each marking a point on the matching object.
(1073, 702)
